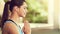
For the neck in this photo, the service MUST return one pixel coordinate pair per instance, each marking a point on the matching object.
(14, 16)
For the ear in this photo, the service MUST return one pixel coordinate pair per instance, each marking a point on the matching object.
(15, 8)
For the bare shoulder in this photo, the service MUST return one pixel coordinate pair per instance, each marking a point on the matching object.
(10, 28)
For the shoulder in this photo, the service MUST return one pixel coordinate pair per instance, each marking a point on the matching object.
(10, 27)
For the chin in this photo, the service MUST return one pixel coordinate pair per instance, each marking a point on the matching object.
(22, 16)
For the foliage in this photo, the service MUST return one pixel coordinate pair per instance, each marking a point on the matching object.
(37, 11)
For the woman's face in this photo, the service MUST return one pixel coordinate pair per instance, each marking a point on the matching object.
(23, 10)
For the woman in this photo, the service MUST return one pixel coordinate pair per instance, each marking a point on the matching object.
(9, 21)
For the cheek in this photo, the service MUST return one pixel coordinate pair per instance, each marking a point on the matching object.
(22, 12)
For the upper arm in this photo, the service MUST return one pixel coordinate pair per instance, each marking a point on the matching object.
(10, 28)
(5, 29)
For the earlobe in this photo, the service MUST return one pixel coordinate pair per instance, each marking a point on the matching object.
(16, 8)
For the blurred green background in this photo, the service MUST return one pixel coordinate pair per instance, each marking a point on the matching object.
(37, 11)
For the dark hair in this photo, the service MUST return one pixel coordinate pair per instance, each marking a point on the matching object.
(10, 4)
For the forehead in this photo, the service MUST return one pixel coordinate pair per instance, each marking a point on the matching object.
(24, 4)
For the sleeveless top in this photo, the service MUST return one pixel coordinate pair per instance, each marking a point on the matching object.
(19, 28)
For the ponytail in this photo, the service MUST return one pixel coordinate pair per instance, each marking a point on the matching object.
(5, 13)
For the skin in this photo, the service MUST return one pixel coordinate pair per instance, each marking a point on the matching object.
(11, 28)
